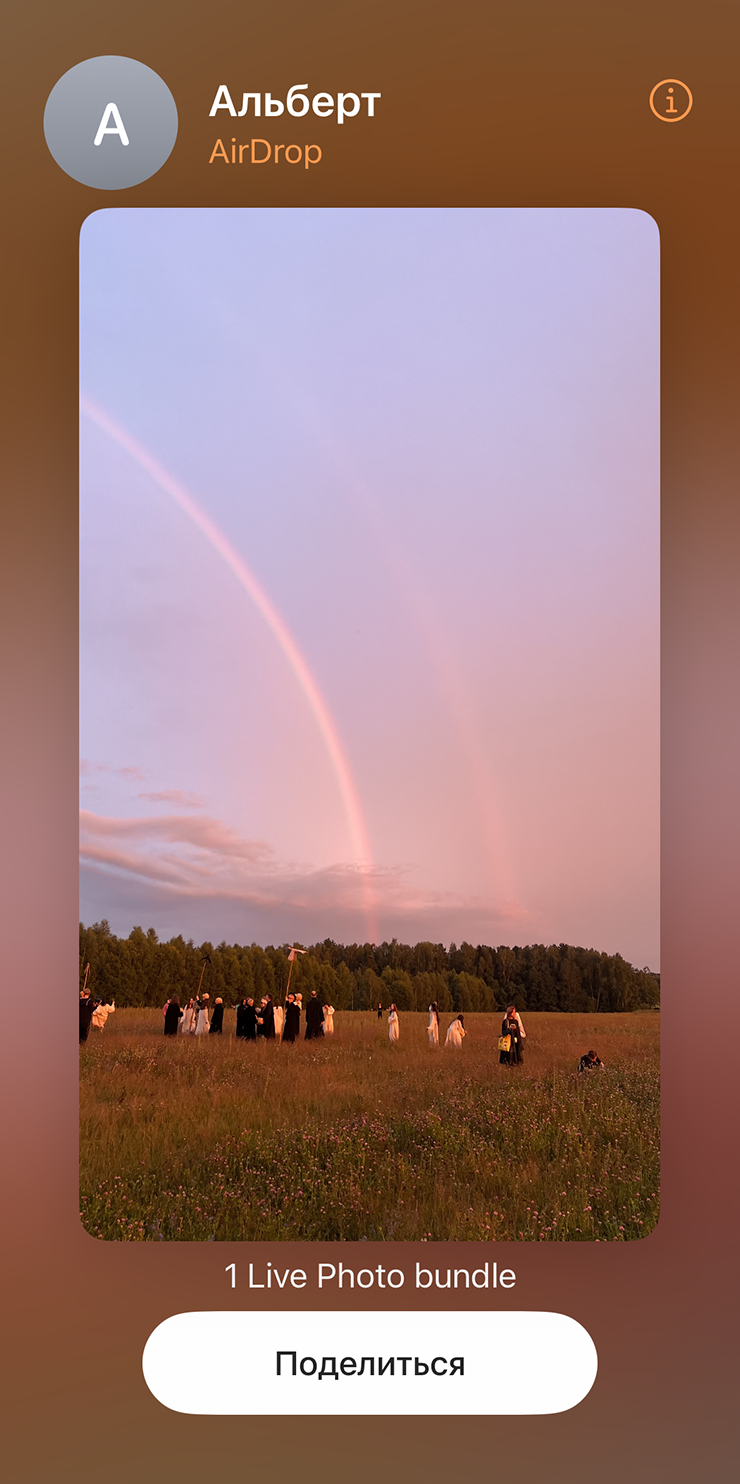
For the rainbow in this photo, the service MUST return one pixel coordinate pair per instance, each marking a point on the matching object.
(280, 631)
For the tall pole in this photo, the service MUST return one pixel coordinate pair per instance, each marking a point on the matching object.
(206, 960)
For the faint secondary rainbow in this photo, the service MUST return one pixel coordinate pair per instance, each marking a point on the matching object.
(483, 792)
(278, 627)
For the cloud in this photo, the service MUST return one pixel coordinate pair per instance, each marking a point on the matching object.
(87, 767)
(194, 848)
(175, 796)
(210, 870)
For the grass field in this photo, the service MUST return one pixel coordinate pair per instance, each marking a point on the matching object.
(217, 1139)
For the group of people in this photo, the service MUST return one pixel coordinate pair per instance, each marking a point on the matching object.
(253, 1019)
(283, 1023)
(455, 1030)
(196, 1018)
(510, 1044)
(92, 1012)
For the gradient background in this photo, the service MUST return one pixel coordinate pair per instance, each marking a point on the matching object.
(519, 104)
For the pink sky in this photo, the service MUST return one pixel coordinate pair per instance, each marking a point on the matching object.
(370, 575)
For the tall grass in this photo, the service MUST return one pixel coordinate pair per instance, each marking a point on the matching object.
(216, 1139)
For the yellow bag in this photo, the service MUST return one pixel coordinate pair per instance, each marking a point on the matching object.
(504, 1043)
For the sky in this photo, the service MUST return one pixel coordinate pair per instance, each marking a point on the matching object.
(369, 575)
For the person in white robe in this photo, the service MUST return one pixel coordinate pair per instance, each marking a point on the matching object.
(203, 1023)
(328, 1020)
(433, 1026)
(279, 1015)
(455, 1034)
(101, 1013)
(393, 1025)
(187, 1024)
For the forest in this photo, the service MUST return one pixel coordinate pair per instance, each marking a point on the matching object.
(142, 971)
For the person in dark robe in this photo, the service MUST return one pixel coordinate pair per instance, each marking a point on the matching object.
(510, 1027)
(267, 1019)
(380, 1012)
(172, 1016)
(217, 1019)
(292, 1021)
(246, 1020)
(314, 1017)
(86, 1013)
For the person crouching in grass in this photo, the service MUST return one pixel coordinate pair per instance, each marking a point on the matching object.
(589, 1062)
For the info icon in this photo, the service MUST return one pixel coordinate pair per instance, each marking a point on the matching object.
(110, 122)
(671, 100)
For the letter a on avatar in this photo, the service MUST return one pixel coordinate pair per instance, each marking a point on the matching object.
(111, 112)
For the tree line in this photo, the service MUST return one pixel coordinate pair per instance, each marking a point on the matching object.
(141, 971)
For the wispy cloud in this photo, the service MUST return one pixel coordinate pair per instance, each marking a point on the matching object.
(132, 771)
(192, 849)
(175, 796)
(198, 857)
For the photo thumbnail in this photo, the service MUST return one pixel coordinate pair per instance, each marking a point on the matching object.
(369, 521)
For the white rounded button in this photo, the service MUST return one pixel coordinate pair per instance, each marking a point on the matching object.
(357, 1363)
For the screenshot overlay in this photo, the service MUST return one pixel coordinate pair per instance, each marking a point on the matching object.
(370, 545)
